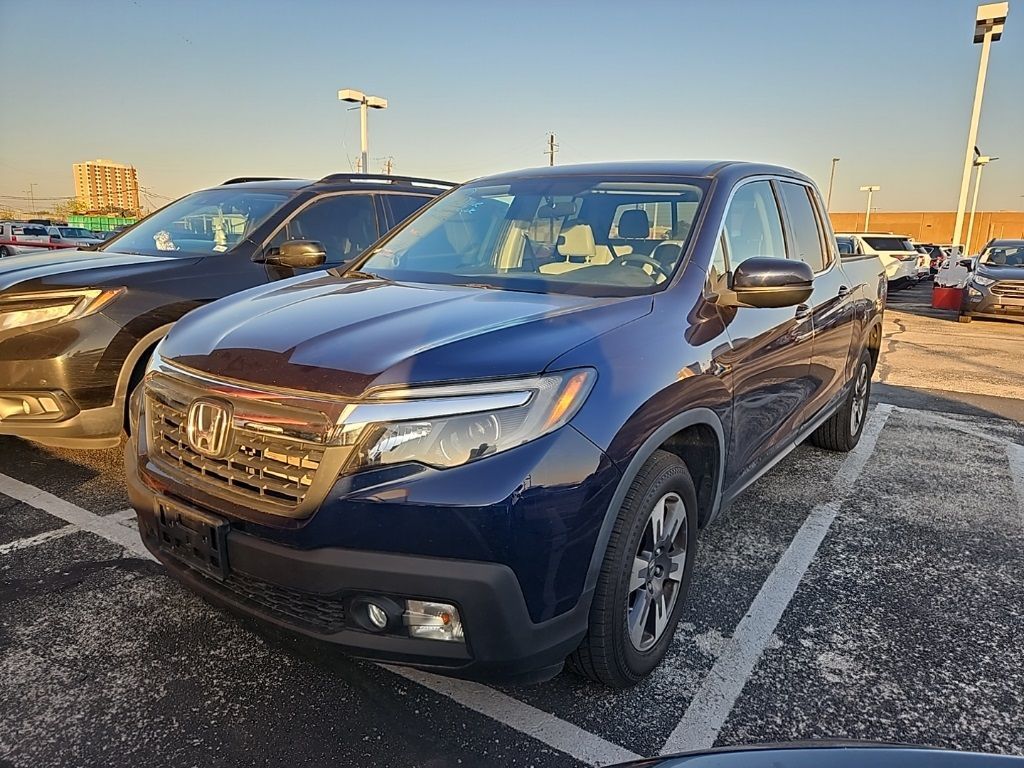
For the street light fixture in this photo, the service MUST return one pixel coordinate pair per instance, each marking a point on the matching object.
(988, 28)
(831, 178)
(980, 162)
(867, 215)
(365, 103)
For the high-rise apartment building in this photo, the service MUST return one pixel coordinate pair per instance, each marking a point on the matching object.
(102, 184)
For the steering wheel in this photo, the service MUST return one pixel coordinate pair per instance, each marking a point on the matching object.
(640, 258)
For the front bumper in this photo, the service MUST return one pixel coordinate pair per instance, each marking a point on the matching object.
(77, 363)
(981, 302)
(308, 591)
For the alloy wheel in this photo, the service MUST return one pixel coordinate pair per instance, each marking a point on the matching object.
(657, 572)
(860, 399)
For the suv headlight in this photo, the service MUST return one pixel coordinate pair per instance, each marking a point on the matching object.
(982, 280)
(450, 425)
(23, 310)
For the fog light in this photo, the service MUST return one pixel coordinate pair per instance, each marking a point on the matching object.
(433, 621)
(377, 616)
(32, 406)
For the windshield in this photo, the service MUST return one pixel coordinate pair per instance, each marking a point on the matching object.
(212, 221)
(74, 232)
(889, 243)
(1003, 256)
(584, 235)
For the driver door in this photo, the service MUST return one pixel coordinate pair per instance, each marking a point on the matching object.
(345, 224)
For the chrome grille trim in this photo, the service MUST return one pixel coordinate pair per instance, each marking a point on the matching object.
(1013, 289)
(276, 462)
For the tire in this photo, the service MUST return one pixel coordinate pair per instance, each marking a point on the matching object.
(4, 253)
(843, 429)
(964, 318)
(610, 653)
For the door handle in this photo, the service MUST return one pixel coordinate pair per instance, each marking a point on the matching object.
(803, 311)
(844, 291)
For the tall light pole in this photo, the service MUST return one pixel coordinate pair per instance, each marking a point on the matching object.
(980, 161)
(867, 215)
(988, 28)
(831, 178)
(365, 103)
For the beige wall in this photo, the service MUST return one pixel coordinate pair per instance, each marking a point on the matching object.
(935, 226)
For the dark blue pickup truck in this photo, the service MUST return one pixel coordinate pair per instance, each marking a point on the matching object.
(490, 444)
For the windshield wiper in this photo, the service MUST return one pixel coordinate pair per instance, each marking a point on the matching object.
(367, 275)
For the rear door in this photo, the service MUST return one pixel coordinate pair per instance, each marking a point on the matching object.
(400, 206)
(830, 306)
(770, 354)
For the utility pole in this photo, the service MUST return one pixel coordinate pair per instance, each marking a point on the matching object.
(388, 165)
(552, 148)
(31, 192)
(831, 178)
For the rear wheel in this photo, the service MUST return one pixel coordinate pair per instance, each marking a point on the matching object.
(644, 578)
(4, 253)
(843, 429)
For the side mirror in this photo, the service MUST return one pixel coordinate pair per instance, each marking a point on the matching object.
(299, 254)
(768, 281)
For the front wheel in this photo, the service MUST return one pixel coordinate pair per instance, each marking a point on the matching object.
(843, 429)
(4, 253)
(644, 578)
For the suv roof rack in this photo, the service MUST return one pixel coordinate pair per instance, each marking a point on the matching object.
(382, 178)
(244, 179)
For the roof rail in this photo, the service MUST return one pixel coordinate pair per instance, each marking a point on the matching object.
(244, 179)
(386, 179)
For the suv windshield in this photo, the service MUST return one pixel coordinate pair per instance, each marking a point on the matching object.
(889, 243)
(584, 235)
(212, 221)
(1003, 256)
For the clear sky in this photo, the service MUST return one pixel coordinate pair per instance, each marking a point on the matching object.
(193, 92)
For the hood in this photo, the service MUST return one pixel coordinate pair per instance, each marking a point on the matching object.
(70, 267)
(1000, 273)
(334, 335)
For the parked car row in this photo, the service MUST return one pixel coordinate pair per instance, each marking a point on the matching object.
(484, 443)
(905, 264)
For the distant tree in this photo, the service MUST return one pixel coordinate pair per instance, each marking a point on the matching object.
(9, 213)
(69, 207)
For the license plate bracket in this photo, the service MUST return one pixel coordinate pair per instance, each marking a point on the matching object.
(194, 537)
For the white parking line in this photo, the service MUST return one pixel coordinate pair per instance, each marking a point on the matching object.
(39, 538)
(586, 747)
(714, 700)
(109, 529)
(1015, 455)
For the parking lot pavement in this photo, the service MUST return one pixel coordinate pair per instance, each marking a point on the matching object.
(878, 595)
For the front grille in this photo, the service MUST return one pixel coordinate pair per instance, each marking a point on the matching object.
(1011, 289)
(266, 465)
(325, 615)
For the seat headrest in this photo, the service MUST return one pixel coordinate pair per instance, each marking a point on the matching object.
(634, 223)
(577, 240)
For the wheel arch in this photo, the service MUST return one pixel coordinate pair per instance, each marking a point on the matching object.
(135, 360)
(687, 435)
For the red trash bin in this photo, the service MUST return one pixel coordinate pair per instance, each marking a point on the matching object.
(944, 297)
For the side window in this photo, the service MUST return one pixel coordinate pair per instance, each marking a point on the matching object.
(807, 240)
(346, 225)
(404, 206)
(752, 225)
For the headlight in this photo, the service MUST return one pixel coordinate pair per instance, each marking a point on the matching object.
(446, 426)
(982, 281)
(22, 310)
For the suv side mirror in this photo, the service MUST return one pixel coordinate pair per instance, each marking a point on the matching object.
(299, 254)
(768, 281)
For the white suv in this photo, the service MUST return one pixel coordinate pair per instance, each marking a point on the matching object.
(897, 254)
